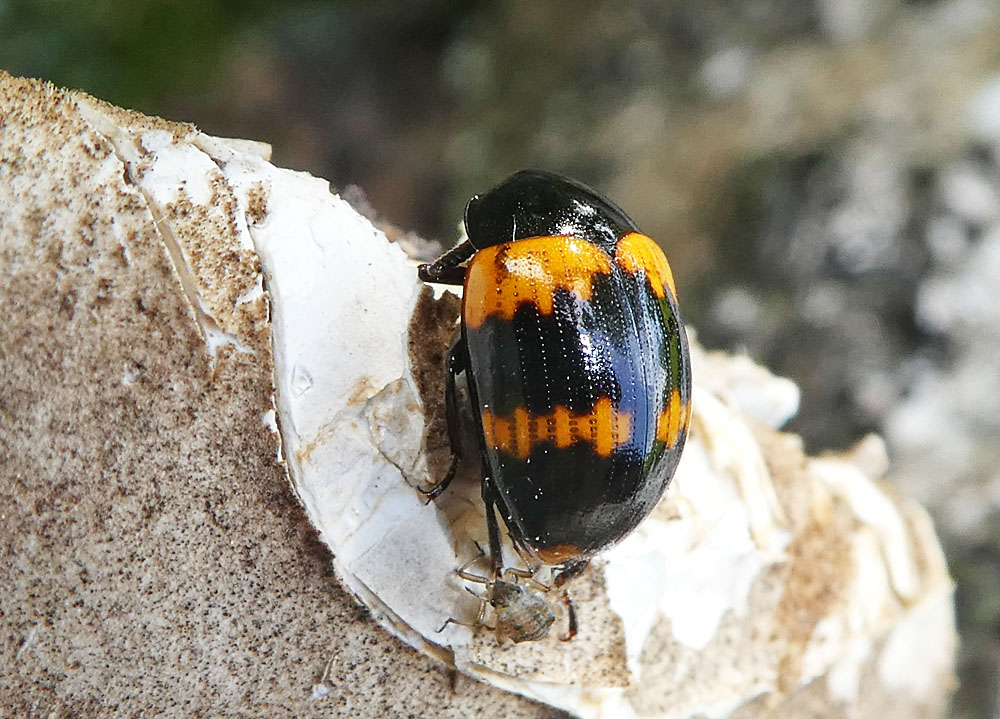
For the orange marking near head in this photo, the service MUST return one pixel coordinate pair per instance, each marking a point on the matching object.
(607, 428)
(639, 254)
(673, 421)
(502, 277)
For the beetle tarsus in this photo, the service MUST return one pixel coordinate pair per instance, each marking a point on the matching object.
(569, 571)
(573, 626)
(446, 270)
(434, 492)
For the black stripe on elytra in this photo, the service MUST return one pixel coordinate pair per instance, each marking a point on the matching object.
(573, 496)
(582, 351)
(669, 347)
(664, 334)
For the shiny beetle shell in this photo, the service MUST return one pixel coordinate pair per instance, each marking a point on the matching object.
(577, 362)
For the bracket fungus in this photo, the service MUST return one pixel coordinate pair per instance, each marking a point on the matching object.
(187, 325)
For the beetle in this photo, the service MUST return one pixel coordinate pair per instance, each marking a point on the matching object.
(577, 367)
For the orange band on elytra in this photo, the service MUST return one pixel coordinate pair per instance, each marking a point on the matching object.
(638, 254)
(604, 428)
(673, 421)
(502, 277)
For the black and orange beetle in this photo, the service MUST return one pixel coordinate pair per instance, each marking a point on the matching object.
(577, 366)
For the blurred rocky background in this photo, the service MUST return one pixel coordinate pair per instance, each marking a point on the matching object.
(824, 175)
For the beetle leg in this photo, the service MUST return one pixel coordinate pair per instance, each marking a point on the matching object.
(572, 627)
(445, 269)
(569, 571)
(442, 276)
(492, 528)
(530, 561)
(456, 364)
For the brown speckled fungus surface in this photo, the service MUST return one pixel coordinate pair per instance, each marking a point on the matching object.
(153, 557)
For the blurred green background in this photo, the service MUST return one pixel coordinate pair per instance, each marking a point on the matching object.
(823, 174)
